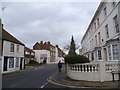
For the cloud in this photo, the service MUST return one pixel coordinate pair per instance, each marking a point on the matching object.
(50, 21)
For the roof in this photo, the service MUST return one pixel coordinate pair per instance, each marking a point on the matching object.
(8, 37)
(28, 49)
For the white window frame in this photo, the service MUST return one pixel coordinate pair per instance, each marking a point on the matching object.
(17, 48)
(11, 62)
(99, 37)
(111, 51)
(99, 57)
(107, 31)
(116, 24)
(105, 11)
(17, 62)
(12, 46)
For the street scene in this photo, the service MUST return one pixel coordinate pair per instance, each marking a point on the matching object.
(60, 44)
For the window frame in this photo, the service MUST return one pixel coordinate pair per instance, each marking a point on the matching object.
(107, 31)
(12, 46)
(11, 62)
(17, 62)
(116, 24)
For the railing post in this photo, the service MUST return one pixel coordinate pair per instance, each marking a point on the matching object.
(102, 71)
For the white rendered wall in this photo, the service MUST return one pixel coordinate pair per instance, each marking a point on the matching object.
(38, 55)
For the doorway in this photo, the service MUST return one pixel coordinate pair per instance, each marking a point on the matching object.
(21, 60)
(5, 63)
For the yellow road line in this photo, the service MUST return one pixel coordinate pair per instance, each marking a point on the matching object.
(75, 86)
(17, 73)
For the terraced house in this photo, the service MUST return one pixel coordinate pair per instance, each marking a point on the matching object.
(101, 44)
(12, 53)
(101, 41)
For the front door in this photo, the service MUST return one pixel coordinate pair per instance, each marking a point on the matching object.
(21, 60)
(5, 63)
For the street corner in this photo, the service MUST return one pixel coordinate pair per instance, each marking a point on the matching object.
(68, 83)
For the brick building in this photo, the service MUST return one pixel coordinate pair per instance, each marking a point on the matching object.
(55, 51)
(46, 46)
(29, 55)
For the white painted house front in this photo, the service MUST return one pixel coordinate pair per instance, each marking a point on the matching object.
(42, 55)
(12, 53)
(101, 44)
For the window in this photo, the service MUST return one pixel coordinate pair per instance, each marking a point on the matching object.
(96, 39)
(109, 53)
(17, 49)
(107, 32)
(88, 56)
(115, 52)
(11, 62)
(92, 43)
(27, 52)
(95, 25)
(116, 24)
(113, 3)
(105, 12)
(12, 47)
(17, 62)
(92, 56)
(32, 53)
(99, 55)
(98, 23)
(99, 37)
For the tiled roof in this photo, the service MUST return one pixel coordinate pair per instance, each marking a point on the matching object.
(28, 49)
(8, 37)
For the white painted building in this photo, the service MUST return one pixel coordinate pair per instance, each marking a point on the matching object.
(42, 55)
(101, 44)
(101, 41)
(0, 44)
(12, 53)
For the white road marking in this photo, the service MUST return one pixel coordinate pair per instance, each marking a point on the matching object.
(42, 86)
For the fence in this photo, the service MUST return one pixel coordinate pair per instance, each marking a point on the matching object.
(94, 71)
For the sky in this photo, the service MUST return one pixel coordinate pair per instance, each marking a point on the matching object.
(32, 22)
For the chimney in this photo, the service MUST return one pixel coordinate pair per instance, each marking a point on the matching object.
(57, 46)
(49, 42)
(45, 43)
(41, 42)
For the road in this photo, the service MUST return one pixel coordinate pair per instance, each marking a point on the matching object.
(36, 78)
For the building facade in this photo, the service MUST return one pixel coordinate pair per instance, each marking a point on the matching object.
(12, 53)
(55, 51)
(101, 41)
(29, 54)
(0, 44)
(42, 56)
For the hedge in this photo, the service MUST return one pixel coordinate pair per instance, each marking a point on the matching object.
(73, 59)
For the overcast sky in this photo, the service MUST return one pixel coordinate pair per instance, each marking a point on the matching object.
(50, 21)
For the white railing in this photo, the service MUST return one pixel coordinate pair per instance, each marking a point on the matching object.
(84, 67)
(94, 71)
(112, 66)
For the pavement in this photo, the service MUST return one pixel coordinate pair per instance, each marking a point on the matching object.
(27, 68)
(61, 78)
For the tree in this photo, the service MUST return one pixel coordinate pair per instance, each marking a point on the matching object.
(72, 57)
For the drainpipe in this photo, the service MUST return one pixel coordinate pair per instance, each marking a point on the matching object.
(119, 25)
(0, 53)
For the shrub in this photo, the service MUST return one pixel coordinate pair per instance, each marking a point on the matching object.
(73, 59)
(33, 62)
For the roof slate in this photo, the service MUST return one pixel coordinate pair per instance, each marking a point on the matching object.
(8, 37)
